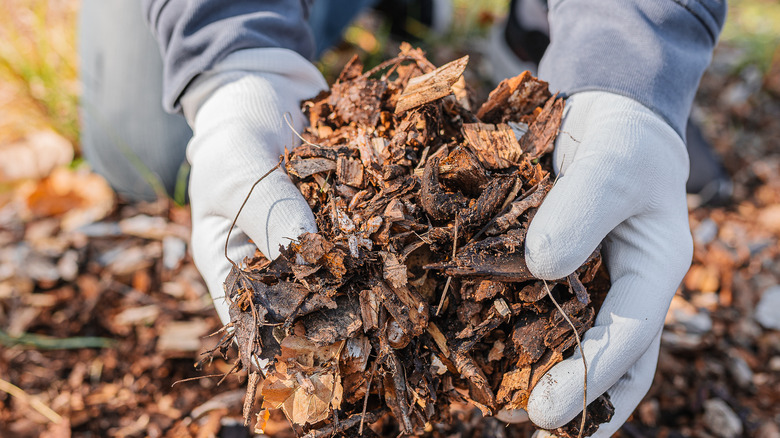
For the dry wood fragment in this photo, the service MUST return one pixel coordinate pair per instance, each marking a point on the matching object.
(249, 399)
(461, 168)
(520, 206)
(431, 86)
(303, 167)
(394, 271)
(541, 134)
(349, 172)
(514, 98)
(495, 145)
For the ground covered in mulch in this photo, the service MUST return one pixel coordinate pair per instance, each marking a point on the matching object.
(102, 310)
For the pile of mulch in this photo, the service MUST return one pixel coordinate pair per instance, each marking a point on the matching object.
(414, 294)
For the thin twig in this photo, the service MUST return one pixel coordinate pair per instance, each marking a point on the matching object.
(195, 378)
(34, 402)
(584, 361)
(230, 230)
(449, 279)
(292, 128)
(385, 64)
(506, 208)
(365, 399)
(443, 295)
(570, 136)
(235, 367)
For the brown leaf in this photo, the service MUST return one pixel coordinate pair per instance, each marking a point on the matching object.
(79, 197)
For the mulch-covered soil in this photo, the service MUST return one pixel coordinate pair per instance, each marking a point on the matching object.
(97, 321)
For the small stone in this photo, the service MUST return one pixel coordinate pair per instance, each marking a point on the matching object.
(721, 420)
(740, 371)
(774, 363)
(767, 313)
(174, 250)
(705, 232)
(682, 314)
(768, 430)
(649, 411)
(68, 265)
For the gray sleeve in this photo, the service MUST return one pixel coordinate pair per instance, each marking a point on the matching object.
(653, 51)
(194, 35)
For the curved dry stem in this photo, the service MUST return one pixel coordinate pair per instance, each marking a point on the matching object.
(584, 361)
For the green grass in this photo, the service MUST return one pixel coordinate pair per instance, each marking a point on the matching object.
(754, 27)
(38, 58)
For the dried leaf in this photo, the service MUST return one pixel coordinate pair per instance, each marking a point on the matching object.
(78, 197)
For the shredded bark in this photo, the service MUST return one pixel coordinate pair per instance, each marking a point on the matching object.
(417, 202)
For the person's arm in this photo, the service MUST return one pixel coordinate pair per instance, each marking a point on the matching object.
(236, 69)
(630, 69)
(194, 36)
(652, 51)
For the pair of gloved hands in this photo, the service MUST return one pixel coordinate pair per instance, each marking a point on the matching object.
(622, 172)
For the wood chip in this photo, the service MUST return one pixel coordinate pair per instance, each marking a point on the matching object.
(431, 86)
(495, 146)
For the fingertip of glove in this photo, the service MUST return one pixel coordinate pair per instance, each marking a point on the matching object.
(547, 404)
(547, 259)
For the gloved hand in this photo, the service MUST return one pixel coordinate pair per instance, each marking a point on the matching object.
(622, 172)
(236, 111)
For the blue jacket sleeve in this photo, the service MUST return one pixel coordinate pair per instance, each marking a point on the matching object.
(653, 51)
(194, 35)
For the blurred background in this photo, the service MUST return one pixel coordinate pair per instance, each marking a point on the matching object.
(102, 310)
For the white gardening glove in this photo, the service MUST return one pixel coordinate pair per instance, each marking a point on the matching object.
(622, 172)
(237, 113)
